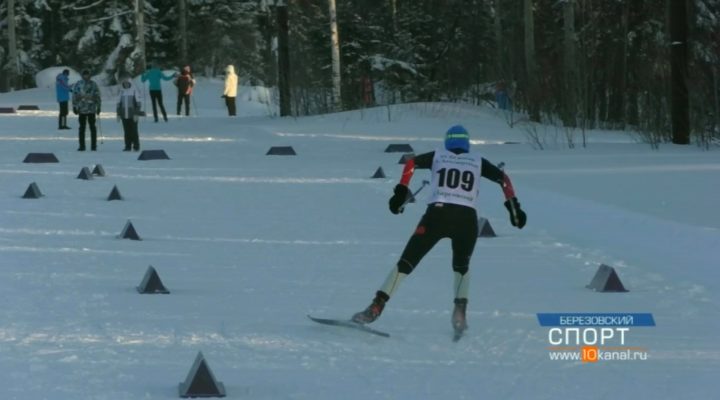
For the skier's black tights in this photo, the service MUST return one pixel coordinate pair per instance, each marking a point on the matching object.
(459, 223)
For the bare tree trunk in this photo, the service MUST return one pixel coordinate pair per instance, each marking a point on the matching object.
(266, 28)
(140, 35)
(624, 65)
(585, 72)
(13, 71)
(570, 66)
(335, 47)
(617, 97)
(182, 26)
(601, 97)
(716, 124)
(500, 43)
(632, 95)
(612, 74)
(679, 72)
(530, 63)
(393, 10)
(283, 61)
(54, 40)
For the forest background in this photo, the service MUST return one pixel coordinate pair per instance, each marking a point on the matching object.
(577, 64)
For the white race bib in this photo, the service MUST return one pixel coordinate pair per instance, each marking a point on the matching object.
(455, 178)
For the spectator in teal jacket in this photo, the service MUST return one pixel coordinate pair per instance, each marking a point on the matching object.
(62, 92)
(155, 76)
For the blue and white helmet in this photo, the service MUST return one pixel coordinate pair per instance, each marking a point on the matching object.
(457, 138)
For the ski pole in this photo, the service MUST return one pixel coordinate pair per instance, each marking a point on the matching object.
(194, 106)
(412, 196)
(102, 139)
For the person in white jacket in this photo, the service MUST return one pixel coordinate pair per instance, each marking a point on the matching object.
(231, 83)
(128, 111)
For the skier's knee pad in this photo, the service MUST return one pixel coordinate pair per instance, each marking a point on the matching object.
(404, 266)
(462, 270)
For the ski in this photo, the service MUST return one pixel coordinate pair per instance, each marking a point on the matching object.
(348, 324)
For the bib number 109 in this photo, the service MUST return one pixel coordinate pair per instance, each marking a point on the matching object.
(453, 179)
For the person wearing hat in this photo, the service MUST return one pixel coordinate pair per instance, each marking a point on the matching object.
(128, 110)
(62, 93)
(155, 76)
(230, 91)
(184, 83)
(86, 104)
(451, 213)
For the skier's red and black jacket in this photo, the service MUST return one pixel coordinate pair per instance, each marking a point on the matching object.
(488, 170)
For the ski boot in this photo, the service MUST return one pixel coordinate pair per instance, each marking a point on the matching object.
(373, 311)
(459, 322)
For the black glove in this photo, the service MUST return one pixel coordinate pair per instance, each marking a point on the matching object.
(98, 112)
(223, 96)
(75, 110)
(518, 218)
(396, 202)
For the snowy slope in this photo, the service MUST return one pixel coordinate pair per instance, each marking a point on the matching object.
(248, 244)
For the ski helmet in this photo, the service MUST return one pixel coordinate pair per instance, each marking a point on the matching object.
(457, 138)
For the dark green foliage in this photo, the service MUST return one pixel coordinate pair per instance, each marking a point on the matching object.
(222, 32)
(422, 50)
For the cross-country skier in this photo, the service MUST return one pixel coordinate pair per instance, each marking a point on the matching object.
(450, 214)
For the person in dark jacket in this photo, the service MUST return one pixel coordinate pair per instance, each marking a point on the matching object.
(155, 76)
(62, 93)
(184, 83)
(128, 110)
(86, 103)
(451, 213)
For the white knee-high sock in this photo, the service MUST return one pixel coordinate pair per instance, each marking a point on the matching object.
(392, 281)
(462, 285)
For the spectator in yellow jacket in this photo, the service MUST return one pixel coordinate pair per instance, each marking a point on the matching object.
(231, 83)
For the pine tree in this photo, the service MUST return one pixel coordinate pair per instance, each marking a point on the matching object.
(25, 50)
(223, 32)
(617, 59)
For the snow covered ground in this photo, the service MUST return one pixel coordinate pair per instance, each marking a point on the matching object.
(248, 244)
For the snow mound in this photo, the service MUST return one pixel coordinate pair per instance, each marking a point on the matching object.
(46, 78)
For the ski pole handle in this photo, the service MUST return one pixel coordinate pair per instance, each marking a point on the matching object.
(424, 183)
